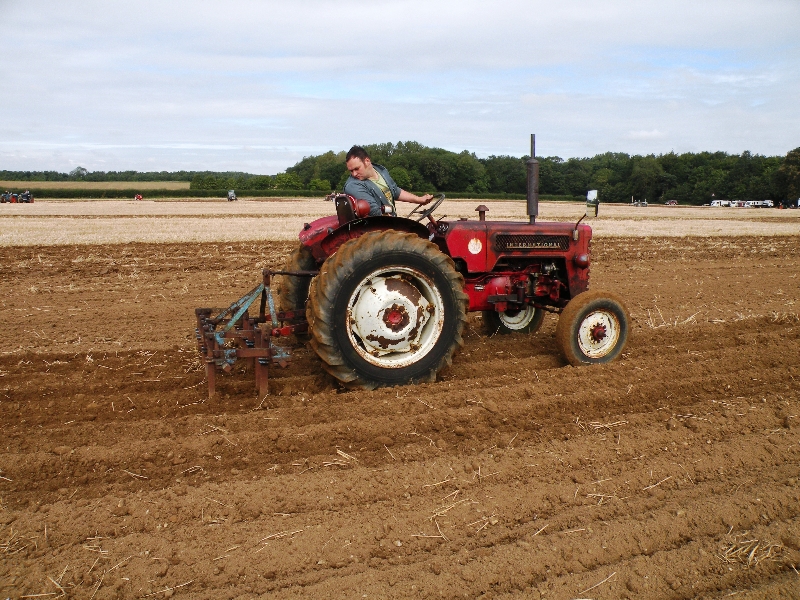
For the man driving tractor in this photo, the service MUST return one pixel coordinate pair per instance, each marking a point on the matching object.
(373, 183)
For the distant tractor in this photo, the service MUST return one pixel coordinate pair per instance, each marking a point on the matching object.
(25, 197)
(384, 300)
(232, 196)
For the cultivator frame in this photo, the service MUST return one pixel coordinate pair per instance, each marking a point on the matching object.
(233, 334)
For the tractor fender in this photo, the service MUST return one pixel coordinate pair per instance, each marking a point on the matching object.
(324, 236)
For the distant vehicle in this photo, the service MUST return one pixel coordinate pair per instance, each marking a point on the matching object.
(760, 204)
(25, 197)
(231, 196)
(671, 203)
(137, 197)
(638, 202)
(738, 203)
(720, 203)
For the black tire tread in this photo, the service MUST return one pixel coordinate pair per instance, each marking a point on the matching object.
(339, 267)
(293, 291)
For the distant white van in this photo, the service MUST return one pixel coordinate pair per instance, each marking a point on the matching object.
(720, 203)
(759, 204)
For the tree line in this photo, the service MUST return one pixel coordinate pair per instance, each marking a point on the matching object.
(689, 178)
(82, 174)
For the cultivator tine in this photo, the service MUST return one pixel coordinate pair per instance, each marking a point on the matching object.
(211, 375)
(268, 295)
(233, 334)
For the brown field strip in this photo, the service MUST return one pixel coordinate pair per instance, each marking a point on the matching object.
(95, 185)
(109, 222)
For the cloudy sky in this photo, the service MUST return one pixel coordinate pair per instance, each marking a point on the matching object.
(256, 85)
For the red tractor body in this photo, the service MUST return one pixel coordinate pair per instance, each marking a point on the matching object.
(384, 300)
(505, 264)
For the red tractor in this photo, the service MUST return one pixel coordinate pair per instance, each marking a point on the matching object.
(384, 299)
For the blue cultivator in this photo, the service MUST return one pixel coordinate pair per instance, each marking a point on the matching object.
(234, 334)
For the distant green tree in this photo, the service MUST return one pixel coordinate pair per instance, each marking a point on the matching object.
(207, 181)
(787, 176)
(401, 178)
(692, 178)
(647, 179)
(577, 172)
(288, 181)
(328, 166)
(551, 176)
(319, 185)
(260, 182)
(602, 180)
(506, 174)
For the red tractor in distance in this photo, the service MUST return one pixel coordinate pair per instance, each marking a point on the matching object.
(384, 300)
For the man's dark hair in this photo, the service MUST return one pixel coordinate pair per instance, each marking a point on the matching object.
(356, 152)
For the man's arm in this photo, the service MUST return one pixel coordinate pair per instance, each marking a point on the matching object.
(413, 198)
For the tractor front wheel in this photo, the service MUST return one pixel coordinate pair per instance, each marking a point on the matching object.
(387, 309)
(593, 328)
(526, 320)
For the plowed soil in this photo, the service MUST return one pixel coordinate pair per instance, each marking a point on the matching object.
(671, 473)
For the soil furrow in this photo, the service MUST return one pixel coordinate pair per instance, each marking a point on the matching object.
(672, 473)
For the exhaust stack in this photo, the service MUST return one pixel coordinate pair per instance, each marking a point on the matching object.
(533, 182)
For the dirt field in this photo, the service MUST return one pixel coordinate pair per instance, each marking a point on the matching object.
(672, 473)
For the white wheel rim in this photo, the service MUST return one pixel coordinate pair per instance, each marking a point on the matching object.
(598, 333)
(394, 317)
(518, 321)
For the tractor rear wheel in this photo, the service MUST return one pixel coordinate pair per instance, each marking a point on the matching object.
(293, 291)
(593, 328)
(526, 320)
(387, 309)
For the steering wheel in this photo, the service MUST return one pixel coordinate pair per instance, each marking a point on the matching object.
(427, 212)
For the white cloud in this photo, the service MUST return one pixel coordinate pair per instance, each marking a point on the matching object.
(653, 134)
(250, 85)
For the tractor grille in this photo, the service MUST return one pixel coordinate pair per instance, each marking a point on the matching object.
(511, 243)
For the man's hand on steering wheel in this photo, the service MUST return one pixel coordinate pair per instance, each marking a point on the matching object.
(420, 214)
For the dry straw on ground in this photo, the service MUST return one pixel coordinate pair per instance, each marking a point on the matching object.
(108, 222)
